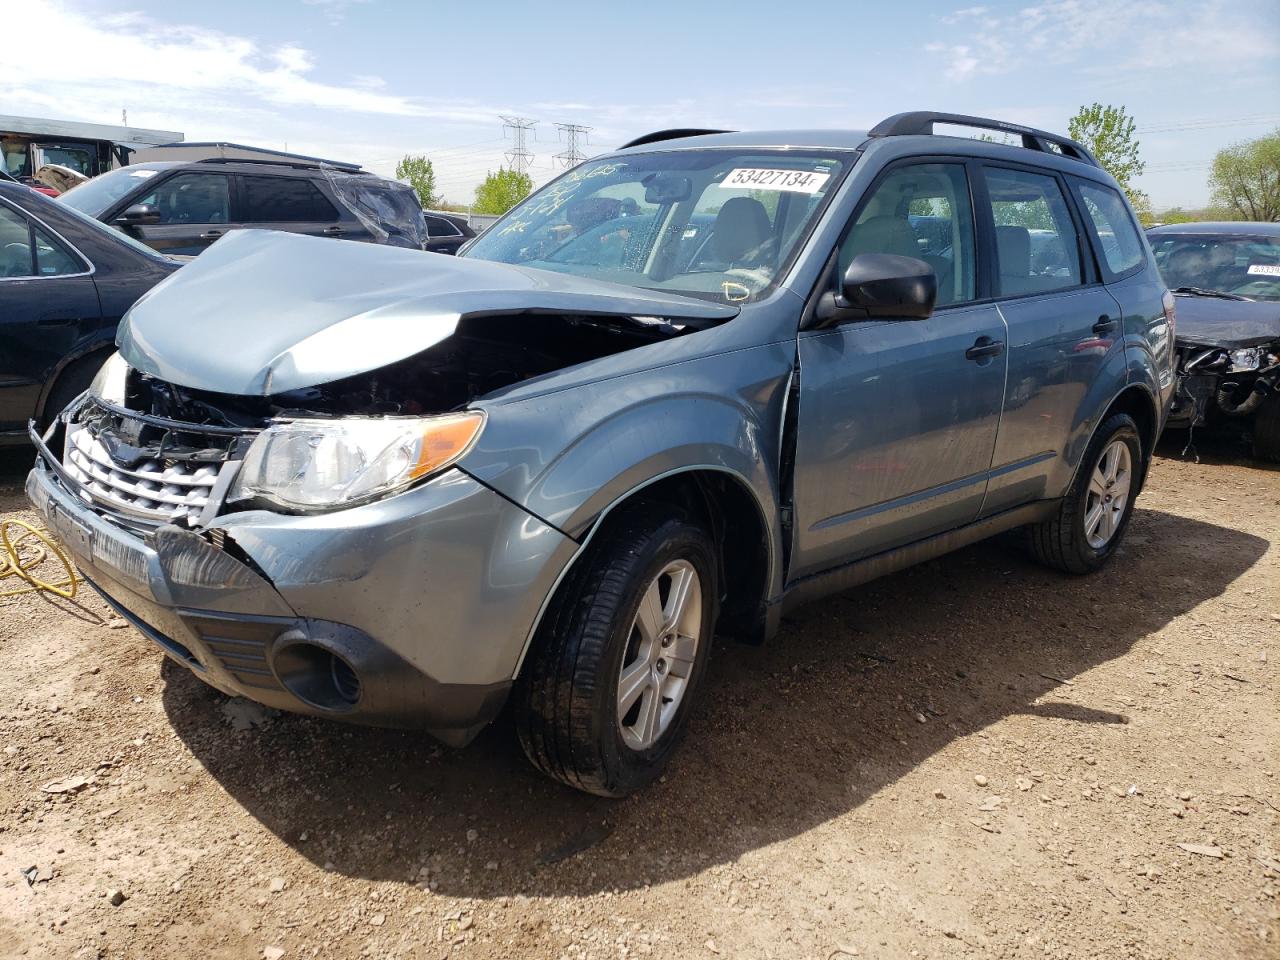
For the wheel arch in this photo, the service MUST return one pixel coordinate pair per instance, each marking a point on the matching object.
(73, 357)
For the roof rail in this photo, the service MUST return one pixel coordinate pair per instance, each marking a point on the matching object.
(920, 122)
(659, 135)
(297, 164)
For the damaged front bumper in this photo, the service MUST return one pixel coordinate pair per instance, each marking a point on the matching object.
(410, 611)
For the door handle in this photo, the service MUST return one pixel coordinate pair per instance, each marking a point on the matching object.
(211, 235)
(1105, 324)
(332, 231)
(983, 348)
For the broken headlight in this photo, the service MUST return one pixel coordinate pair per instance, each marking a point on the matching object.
(323, 464)
(1247, 359)
(109, 384)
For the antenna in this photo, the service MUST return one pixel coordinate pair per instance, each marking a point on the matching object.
(572, 156)
(519, 155)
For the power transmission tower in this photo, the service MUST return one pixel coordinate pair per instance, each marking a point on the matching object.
(572, 156)
(519, 155)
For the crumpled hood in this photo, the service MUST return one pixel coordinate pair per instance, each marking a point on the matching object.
(1232, 324)
(263, 312)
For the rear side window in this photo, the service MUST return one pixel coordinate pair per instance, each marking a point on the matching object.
(1112, 226)
(283, 200)
(15, 245)
(440, 227)
(1037, 248)
(52, 260)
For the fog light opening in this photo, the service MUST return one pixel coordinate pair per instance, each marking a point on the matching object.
(317, 676)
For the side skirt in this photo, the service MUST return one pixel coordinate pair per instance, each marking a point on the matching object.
(849, 575)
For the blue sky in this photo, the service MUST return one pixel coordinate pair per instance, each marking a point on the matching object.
(371, 80)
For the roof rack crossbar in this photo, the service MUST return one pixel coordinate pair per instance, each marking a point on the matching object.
(659, 135)
(920, 122)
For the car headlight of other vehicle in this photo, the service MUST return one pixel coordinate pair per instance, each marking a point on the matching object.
(324, 464)
(1248, 359)
(108, 385)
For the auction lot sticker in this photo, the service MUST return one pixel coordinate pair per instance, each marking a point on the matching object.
(1265, 269)
(763, 178)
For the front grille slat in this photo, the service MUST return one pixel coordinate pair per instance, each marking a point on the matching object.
(145, 494)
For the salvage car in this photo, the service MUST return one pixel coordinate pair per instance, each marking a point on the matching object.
(1226, 277)
(417, 491)
(446, 232)
(65, 282)
(181, 207)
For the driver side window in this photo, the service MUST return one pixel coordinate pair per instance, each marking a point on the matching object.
(192, 198)
(921, 211)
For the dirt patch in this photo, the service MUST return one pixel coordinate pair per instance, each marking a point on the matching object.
(975, 758)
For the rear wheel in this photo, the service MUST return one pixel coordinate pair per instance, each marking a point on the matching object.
(1094, 515)
(610, 682)
(1266, 429)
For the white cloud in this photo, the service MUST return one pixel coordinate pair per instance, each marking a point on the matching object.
(335, 11)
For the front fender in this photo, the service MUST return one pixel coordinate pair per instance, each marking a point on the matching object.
(569, 456)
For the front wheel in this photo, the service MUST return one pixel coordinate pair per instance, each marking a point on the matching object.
(612, 675)
(1090, 523)
(1266, 429)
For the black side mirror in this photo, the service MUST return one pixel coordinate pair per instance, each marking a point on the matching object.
(881, 285)
(138, 213)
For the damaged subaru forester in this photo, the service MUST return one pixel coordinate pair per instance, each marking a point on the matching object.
(677, 391)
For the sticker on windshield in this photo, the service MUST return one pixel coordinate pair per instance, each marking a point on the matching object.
(762, 178)
(143, 173)
(1265, 269)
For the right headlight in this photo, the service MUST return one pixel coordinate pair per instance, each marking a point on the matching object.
(1249, 358)
(310, 465)
(109, 384)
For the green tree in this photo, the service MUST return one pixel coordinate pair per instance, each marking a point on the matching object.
(421, 175)
(502, 190)
(1108, 132)
(1246, 178)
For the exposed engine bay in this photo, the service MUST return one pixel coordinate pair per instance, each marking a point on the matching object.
(1224, 387)
(484, 355)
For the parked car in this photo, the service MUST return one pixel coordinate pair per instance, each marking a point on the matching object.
(446, 232)
(65, 282)
(1226, 277)
(180, 208)
(416, 491)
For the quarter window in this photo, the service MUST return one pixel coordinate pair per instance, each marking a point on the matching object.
(440, 227)
(1037, 248)
(51, 259)
(1112, 227)
(15, 245)
(284, 200)
(920, 211)
(192, 198)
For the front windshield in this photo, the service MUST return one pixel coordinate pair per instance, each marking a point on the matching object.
(96, 196)
(1228, 263)
(715, 224)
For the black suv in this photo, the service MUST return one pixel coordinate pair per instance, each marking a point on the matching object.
(446, 232)
(180, 208)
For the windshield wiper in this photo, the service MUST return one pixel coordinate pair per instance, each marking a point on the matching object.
(1203, 292)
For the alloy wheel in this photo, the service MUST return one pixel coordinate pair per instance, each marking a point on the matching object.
(1108, 495)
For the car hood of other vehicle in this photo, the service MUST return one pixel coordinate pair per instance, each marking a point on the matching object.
(1231, 324)
(262, 312)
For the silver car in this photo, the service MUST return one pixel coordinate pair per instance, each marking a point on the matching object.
(677, 391)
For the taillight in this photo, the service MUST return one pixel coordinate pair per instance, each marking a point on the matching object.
(1170, 313)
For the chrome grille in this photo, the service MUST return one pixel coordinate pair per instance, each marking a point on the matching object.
(151, 491)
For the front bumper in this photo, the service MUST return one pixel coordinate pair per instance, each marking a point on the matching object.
(428, 598)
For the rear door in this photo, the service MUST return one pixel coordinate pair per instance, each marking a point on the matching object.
(443, 236)
(294, 204)
(194, 209)
(1065, 343)
(897, 419)
(48, 304)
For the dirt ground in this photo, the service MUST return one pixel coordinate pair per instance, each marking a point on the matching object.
(975, 758)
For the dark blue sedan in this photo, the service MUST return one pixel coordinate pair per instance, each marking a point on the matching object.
(65, 281)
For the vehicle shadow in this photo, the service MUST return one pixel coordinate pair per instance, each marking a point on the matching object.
(1214, 448)
(788, 736)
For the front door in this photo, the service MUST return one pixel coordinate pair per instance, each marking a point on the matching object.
(897, 419)
(194, 209)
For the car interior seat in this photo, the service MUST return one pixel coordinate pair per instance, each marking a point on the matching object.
(887, 233)
(741, 235)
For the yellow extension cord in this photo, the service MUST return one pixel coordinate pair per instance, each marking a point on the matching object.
(13, 564)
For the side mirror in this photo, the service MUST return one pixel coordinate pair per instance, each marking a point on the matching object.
(881, 285)
(137, 214)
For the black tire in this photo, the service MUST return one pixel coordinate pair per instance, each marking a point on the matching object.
(1061, 541)
(1266, 430)
(73, 380)
(566, 700)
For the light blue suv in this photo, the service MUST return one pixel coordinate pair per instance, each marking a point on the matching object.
(676, 392)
